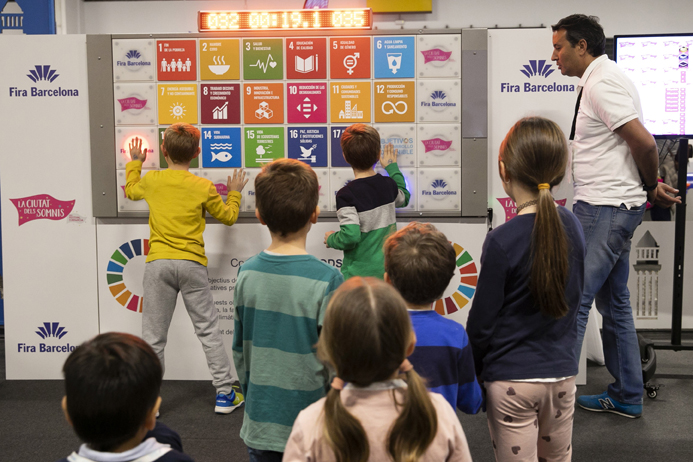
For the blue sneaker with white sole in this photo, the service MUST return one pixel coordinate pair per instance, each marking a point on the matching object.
(605, 403)
(227, 403)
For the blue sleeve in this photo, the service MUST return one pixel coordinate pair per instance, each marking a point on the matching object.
(488, 300)
(468, 392)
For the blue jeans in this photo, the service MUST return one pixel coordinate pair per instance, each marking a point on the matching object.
(608, 231)
(258, 455)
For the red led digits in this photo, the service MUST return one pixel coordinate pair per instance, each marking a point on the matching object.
(213, 21)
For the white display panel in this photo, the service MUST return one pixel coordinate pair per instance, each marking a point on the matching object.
(439, 145)
(439, 100)
(439, 56)
(659, 66)
(149, 137)
(403, 138)
(439, 189)
(339, 177)
(324, 185)
(135, 104)
(248, 200)
(134, 60)
(125, 204)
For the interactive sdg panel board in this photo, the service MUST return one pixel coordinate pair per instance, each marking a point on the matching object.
(260, 98)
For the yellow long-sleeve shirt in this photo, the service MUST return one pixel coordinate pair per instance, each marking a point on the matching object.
(177, 202)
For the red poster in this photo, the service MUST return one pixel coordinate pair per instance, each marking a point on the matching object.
(220, 103)
(350, 58)
(306, 58)
(176, 60)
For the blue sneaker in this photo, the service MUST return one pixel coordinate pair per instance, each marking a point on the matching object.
(227, 403)
(604, 403)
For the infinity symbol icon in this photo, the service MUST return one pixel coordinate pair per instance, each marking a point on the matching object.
(393, 107)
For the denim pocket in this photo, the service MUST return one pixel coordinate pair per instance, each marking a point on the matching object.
(623, 224)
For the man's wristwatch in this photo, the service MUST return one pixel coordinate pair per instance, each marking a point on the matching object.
(649, 188)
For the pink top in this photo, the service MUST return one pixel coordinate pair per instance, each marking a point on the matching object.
(375, 408)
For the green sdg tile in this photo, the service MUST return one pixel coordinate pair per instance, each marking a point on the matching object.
(195, 163)
(263, 145)
(119, 257)
(263, 59)
(113, 278)
(464, 259)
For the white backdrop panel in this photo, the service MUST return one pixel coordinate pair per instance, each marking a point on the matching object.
(48, 264)
(511, 98)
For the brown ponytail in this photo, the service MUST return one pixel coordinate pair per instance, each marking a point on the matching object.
(343, 431)
(417, 424)
(365, 337)
(534, 152)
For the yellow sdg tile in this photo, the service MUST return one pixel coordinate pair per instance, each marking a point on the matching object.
(177, 103)
(350, 102)
(220, 59)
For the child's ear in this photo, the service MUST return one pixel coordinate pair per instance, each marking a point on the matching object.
(412, 344)
(257, 215)
(315, 215)
(386, 278)
(197, 153)
(64, 406)
(150, 421)
(505, 177)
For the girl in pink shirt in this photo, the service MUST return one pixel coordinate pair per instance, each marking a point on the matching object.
(378, 408)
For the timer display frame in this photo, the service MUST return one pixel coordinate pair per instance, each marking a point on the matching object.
(285, 20)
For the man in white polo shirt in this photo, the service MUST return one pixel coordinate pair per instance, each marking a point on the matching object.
(615, 163)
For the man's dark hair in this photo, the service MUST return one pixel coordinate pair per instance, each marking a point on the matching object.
(111, 383)
(578, 27)
(286, 195)
(420, 261)
(361, 146)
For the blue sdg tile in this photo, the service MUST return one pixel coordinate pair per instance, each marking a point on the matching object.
(394, 57)
(309, 145)
(336, 157)
(221, 147)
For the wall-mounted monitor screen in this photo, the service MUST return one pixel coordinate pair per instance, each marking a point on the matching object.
(659, 65)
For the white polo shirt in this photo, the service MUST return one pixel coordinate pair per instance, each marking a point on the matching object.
(604, 171)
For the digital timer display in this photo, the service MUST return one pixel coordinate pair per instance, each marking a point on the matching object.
(318, 19)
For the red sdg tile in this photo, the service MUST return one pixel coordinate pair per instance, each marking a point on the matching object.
(350, 58)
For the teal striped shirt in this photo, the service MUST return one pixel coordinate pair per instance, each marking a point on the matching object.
(280, 303)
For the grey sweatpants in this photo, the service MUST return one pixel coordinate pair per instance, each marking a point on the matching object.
(163, 279)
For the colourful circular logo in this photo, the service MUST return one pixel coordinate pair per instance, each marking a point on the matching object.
(116, 267)
(465, 291)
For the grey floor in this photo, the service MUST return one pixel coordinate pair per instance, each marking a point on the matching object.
(32, 427)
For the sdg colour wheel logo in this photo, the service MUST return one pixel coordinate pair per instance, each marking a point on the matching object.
(467, 285)
(115, 271)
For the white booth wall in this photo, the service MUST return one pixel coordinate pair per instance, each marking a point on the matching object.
(633, 17)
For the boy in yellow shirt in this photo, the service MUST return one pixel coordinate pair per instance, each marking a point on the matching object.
(176, 262)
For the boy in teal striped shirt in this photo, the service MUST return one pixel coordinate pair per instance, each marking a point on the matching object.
(280, 301)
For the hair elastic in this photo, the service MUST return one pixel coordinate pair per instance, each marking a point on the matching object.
(337, 383)
(544, 186)
(406, 366)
